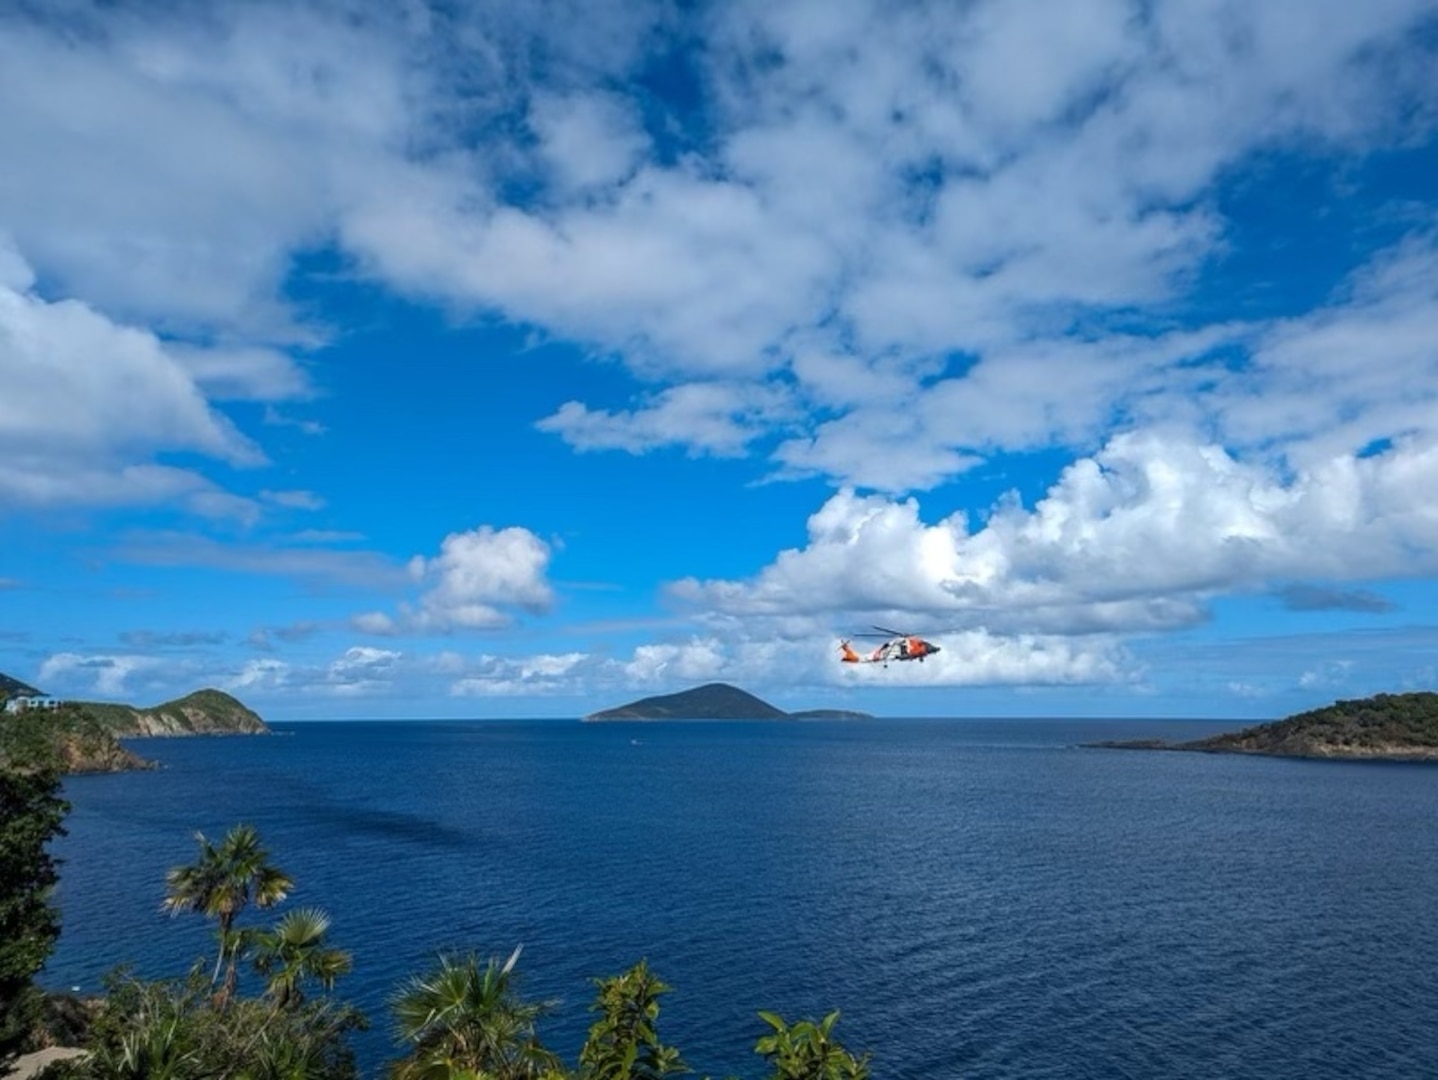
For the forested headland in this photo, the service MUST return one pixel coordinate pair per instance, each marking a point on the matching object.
(1384, 727)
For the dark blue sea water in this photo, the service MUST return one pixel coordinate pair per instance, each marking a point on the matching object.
(979, 898)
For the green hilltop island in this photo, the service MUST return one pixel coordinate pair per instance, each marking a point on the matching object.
(84, 736)
(715, 701)
(1385, 727)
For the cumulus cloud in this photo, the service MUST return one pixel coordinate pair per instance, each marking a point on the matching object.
(504, 676)
(1359, 370)
(233, 373)
(358, 672)
(1136, 538)
(875, 243)
(968, 658)
(221, 144)
(870, 224)
(109, 676)
(475, 582)
(906, 184)
(263, 675)
(590, 140)
(362, 670)
(125, 398)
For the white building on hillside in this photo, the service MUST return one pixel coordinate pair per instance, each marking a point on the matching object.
(33, 701)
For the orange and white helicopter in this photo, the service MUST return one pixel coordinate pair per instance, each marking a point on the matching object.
(899, 646)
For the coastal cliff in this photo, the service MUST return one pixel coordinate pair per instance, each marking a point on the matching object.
(1385, 727)
(84, 737)
(67, 737)
(205, 712)
(714, 701)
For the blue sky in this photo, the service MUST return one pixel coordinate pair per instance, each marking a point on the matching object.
(510, 360)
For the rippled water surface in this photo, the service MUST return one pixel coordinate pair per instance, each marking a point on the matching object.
(979, 898)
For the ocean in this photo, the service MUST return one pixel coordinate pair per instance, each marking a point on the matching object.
(979, 899)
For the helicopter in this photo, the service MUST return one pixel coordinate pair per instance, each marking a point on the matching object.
(899, 646)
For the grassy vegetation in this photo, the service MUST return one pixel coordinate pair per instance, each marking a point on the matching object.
(114, 718)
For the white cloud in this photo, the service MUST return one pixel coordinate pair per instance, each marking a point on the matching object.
(719, 419)
(225, 373)
(375, 622)
(588, 140)
(863, 191)
(297, 500)
(505, 676)
(474, 582)
(1361, 369)
(968, 658)
(120, 387)
(701, 660)
(124, 398)
(110, 676)
(1330, 675)
(359, 671)
(263, 675)
(165, 168)
(899, 185)
(362, 670)
(127, 397)
(47, 480)
(1137, 538)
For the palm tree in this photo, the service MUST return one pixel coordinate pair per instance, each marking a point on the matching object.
(294, 952)
(464, 1018)
(221, 884)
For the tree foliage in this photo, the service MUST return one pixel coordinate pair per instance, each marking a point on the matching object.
(69, 737)
(220, 884)
(176, 1030)
(623, 1044)
(294, 953)
(805, 1050)
(182, 1029)
(32, 813)
(464, 1018)
(1388, 723)
(461, 1020)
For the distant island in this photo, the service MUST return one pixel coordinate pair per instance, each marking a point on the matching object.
(715, 701)
(84, 736)
(1385, 727)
